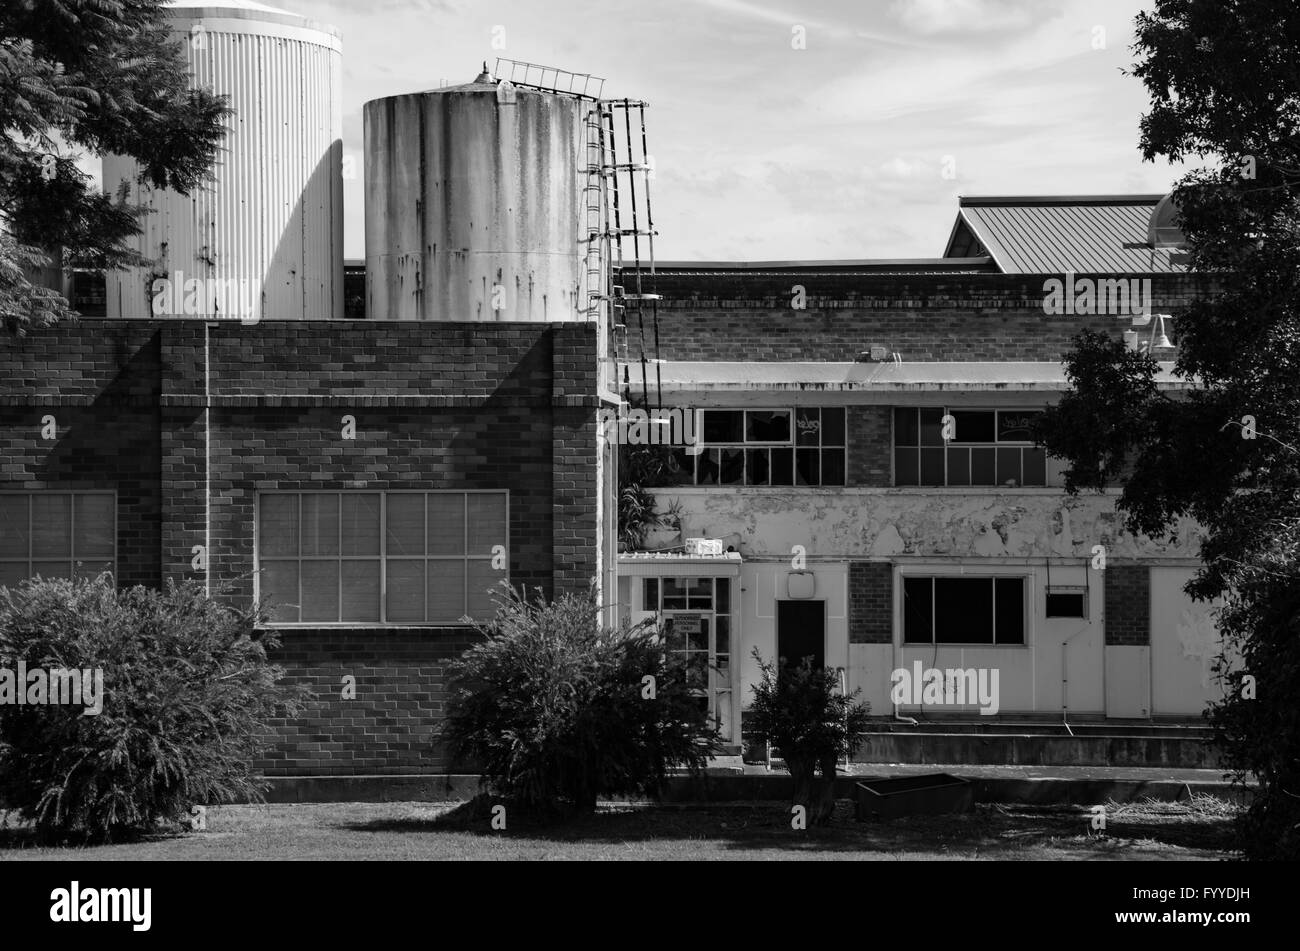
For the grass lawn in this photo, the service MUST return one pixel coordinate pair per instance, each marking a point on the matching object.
(1200, 829)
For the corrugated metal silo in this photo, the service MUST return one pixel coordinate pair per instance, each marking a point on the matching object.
(473, 199)
(271, 217)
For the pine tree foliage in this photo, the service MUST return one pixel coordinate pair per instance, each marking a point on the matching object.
(90, 77)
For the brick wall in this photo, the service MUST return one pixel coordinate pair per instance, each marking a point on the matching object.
(870, 454)
(871, 602)
(437, 406)
(1128, 605)
(101, 387)
(938, 317)
(391, 727)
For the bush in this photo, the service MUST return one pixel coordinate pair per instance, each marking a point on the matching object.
(187, 699)
(555, 710)
(799, 710)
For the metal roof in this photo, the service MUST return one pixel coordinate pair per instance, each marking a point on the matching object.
(1086, 234)
(712, 377)
(886, 265)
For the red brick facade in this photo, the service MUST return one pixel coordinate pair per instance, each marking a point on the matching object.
(1128, 605)
(437, 406)
(924, 317)
(871, 602)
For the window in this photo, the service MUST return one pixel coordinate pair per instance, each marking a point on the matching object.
(783, 447)
(381, 558)
(965, 610)
(696, 619)
(1067, 602)
(56, 535)
(988, 448)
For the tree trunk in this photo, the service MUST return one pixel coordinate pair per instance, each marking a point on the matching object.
(801, 771)
(825, 803)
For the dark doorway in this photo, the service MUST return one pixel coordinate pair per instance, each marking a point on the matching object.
(801, 631)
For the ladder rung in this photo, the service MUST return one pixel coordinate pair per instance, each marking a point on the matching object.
(643, 297)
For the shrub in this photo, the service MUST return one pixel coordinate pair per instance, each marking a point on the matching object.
(556, 709)
(799, 710)
(187, 698)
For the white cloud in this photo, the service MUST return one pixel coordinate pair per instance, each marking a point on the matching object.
(966, 16)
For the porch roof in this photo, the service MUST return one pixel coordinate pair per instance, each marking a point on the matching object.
(641, 564)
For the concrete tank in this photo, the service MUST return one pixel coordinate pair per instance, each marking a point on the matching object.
(473, 199)
(271, 217)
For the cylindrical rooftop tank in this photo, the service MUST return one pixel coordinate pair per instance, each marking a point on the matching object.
(271, 217)
(473, 198)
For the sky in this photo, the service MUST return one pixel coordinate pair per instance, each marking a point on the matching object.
(856, 145)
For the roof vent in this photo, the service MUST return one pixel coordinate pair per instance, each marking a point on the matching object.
(1163, 229)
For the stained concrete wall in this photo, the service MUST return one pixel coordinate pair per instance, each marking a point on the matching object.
(1062, 668)
(902, 523)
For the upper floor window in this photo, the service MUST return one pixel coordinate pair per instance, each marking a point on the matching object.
(56, 535)
(381, 557)
(988, 447)
(784, 447)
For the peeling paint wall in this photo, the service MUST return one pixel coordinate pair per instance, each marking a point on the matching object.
(903, 523)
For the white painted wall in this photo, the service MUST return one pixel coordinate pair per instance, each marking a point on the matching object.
(939, 531)
(1184, 643)
(763, 584)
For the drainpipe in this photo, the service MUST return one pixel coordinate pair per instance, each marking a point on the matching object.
(844, 692)
(898, 716)
(207, 463)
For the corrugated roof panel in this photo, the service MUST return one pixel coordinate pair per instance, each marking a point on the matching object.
(1087, 236)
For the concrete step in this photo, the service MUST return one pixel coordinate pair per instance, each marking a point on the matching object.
(1009, 749)
(1028, 727)
(1030, 742)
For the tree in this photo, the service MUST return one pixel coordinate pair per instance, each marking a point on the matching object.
(800, 711)
(105, 76)
(557, 711)
(1224, 453)
(175, 701)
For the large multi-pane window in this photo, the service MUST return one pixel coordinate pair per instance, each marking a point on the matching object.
(987, 447)
(696, 625)
(56, 535)
(784, 447)
(964, 610)
(381, 557)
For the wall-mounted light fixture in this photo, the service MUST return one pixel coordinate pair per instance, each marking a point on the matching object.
(1157, 339)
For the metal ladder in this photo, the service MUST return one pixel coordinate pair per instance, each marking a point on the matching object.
(628, 170)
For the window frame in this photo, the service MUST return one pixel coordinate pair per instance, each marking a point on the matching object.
(72, 494)
(716, 692)
(382, 557)
(992, 576)
(947, 446)
(744, 446)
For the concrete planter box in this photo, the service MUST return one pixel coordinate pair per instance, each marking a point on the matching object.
(930, 795)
